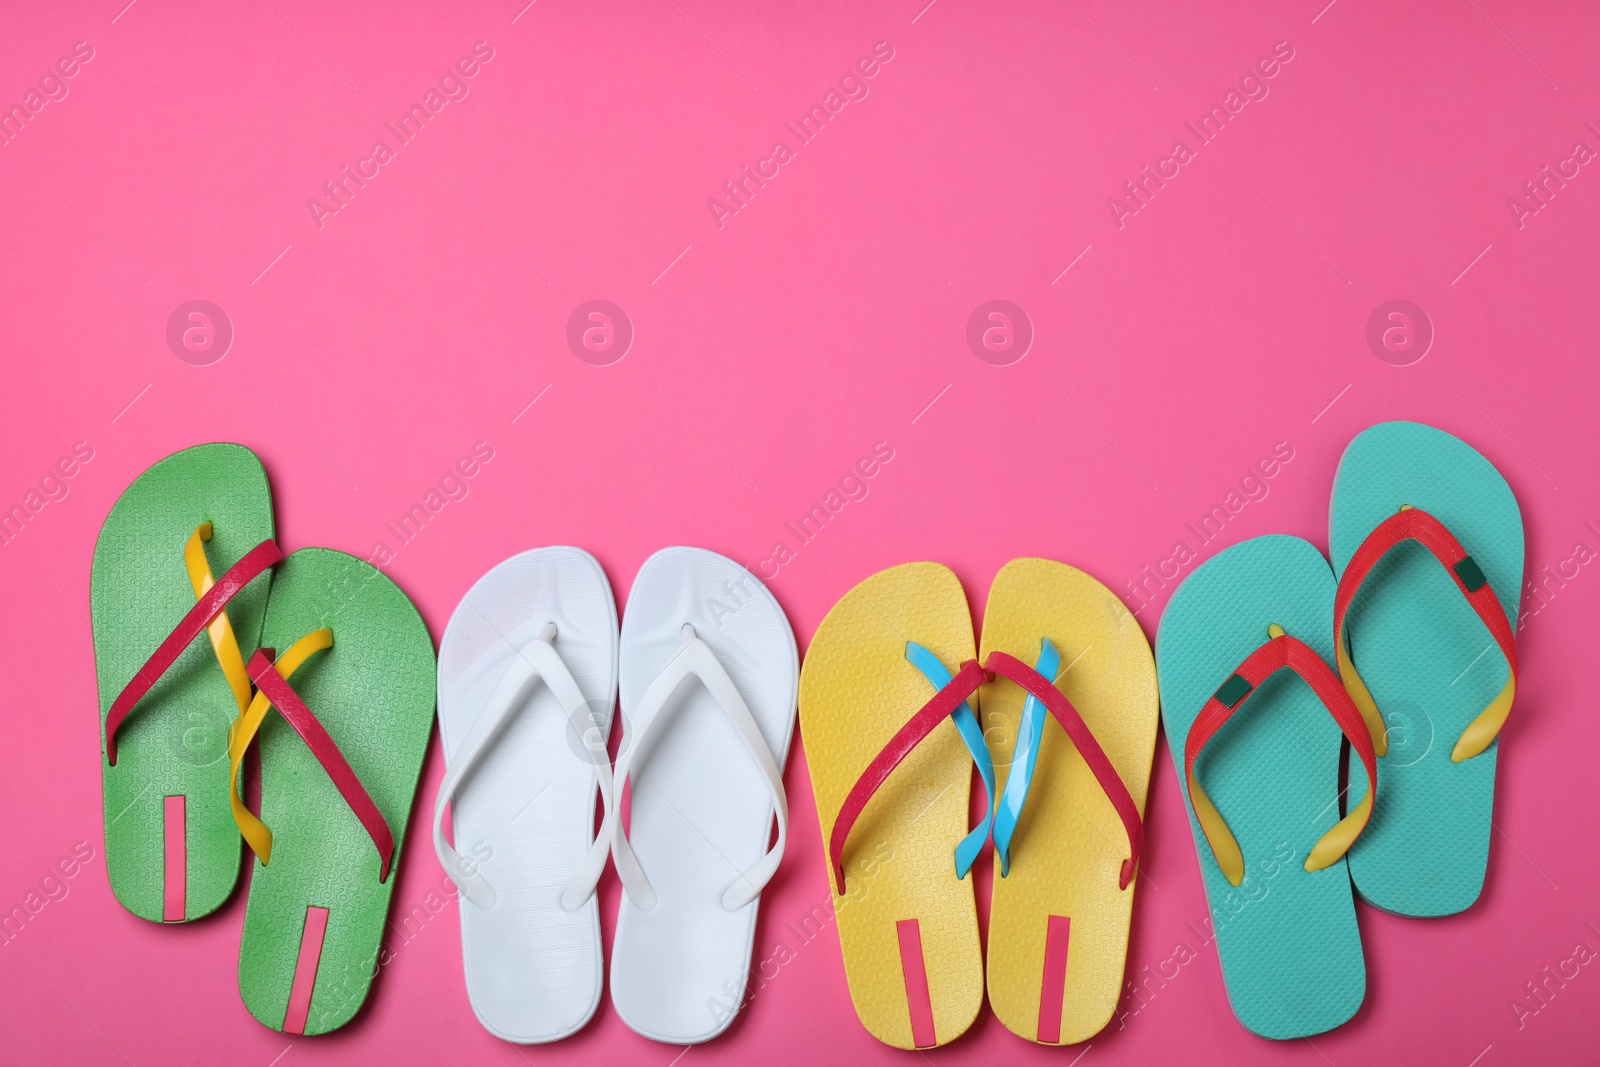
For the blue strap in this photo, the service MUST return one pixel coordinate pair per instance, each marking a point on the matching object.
(972, 736)
(1029, 729)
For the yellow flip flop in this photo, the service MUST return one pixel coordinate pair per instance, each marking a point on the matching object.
(1067, 824)
(908, 927)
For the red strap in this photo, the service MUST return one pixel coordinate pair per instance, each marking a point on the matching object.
(1277, 653)
(1417, 525)
(294, 711)
(198, 618)
(1083, 740)
(931, 714)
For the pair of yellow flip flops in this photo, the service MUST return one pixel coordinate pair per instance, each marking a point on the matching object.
(893, 783)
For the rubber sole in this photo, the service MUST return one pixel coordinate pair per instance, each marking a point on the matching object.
(165, 803)
(699, 810)
(525, 814)
(315, 915)
(1058, 921)
(908, 928)
(1286, 937)
(1428, 661)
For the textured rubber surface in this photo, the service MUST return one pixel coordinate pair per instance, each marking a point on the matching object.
(175, 743)
(1067, 853)
(1427, 660)
(700, 813)
(526, 812)
(856, 691)
(1286, 937)
(373, 693)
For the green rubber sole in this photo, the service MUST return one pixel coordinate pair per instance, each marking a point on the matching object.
(175, 742)
(373, 692)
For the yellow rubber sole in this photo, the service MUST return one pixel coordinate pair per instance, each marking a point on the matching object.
(856, 691)
(1069, 844)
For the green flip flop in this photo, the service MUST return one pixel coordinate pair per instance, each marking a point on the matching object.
(1426, 538)
(1257, 755)
(340, 760)
(172, 851)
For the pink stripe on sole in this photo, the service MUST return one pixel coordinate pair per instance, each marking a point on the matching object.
(918, 1003)
(174, 860)
(305, 970)
(1054, 985)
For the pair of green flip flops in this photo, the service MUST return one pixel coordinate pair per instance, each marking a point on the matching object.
(1427, 549)
(181, 658)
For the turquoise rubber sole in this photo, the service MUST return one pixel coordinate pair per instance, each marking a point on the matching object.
(1427, 659)
(1286, 938)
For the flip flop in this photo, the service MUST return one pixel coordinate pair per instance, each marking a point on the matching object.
(709, 669)
(1266, 822)
(1426, 539)
(339, 768)
(892, 785)
(172, 853)
(527, 680)
(1067, 826)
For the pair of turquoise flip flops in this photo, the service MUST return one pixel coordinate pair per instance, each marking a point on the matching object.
(1421, 627)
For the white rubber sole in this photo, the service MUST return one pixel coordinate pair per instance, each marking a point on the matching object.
(526, 814)
(701, 814)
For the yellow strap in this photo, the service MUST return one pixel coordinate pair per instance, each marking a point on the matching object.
(1361, 697)
(1218, 836)
(1482, 731)
(1326, 852)
(220, 630)
(243, 731)
(1331, 846)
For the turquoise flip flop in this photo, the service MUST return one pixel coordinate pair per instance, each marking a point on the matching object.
(1265, 747)
(1426, 538)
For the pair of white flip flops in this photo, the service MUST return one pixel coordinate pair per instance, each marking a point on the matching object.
(528, 675)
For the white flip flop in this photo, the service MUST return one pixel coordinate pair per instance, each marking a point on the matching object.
(527, 680)
(709, 679)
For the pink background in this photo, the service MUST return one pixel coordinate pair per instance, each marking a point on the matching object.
(829, 313)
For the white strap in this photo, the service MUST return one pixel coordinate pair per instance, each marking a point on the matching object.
(536, 661)
(694, 657)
